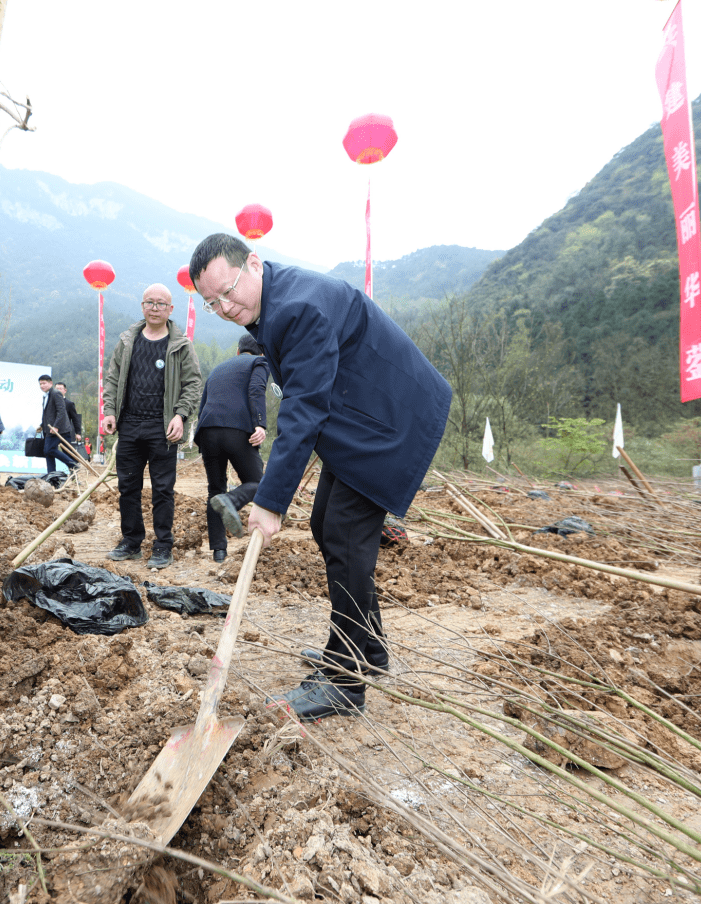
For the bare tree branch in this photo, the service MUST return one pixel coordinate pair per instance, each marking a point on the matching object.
(19, 112)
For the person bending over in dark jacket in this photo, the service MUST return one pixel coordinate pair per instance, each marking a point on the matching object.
(358, 392)
(231, 428)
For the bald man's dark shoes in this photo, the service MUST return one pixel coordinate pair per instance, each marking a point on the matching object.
(226, 510)
(219, 555)
(124, 551)
(160, 558)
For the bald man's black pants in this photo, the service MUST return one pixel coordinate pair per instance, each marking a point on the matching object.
(347, 527)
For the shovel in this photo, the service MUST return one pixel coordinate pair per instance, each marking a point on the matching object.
(182, 770)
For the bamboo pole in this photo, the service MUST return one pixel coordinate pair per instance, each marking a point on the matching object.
(309, 473)
(671, 584)
(514, 465)
(637, 472)
(69, 450)
(632, 480)
(486, 523)
(505, 479)
(36, 543)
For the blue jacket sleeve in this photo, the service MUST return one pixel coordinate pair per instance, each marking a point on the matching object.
(306, 346)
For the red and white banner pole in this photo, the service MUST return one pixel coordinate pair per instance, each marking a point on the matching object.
(100, 363)
(191, 317)
(368, 252)
(680, 154)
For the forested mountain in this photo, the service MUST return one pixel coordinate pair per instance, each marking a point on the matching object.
(50, 229)
(400, 286)
(583, 314)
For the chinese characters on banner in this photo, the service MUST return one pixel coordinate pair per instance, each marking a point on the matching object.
(678, 135)
(191, 316)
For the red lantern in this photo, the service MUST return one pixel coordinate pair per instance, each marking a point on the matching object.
(370, 138)
(253, 221)
(99, 274)
(185, 281)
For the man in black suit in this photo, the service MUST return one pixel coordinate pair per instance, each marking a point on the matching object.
(73, 416)
(54, 415)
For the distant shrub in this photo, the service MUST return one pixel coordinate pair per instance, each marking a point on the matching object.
(578, 444)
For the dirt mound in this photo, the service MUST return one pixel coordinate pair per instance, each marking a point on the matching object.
(83, 716)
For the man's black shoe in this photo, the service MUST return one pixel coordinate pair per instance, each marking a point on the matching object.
(318, 698)
(226, 510)
(124, 551)
(160, 558)
(374, 663)
(219, 555)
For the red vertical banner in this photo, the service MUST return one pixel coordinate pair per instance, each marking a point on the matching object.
(368, 253)
(100, 362)
(680, 154)
(191, 317)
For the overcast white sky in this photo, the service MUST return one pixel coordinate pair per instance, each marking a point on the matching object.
(503, 108)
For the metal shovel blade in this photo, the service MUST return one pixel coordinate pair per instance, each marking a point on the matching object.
(179, 775)
(193, 753)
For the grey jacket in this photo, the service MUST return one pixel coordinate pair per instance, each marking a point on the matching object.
(183, 380)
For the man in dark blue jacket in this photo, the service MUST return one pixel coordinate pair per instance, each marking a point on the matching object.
(231, 429)
(356, 390)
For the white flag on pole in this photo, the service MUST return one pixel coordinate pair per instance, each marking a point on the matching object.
(488, 443)
(618, 432)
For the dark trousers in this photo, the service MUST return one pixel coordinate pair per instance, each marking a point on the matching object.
(347, 528)
(53, 452)
(219, 446)
(141, 443)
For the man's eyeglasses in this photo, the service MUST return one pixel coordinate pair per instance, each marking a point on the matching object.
(211, 307)
(158, 305)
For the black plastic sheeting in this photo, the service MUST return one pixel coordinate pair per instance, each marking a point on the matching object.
(538, 494)
(88, 600)
(571, 525)
(187, 600)
(55, 478)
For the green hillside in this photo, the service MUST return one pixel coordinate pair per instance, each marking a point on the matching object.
(403, 285)
(583, 314)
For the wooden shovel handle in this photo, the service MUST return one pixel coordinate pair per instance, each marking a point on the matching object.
(219, 669)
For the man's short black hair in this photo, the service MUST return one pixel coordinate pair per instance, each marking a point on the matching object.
(61, 383)
(217, 245)
(248, 344)
(46, 377)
